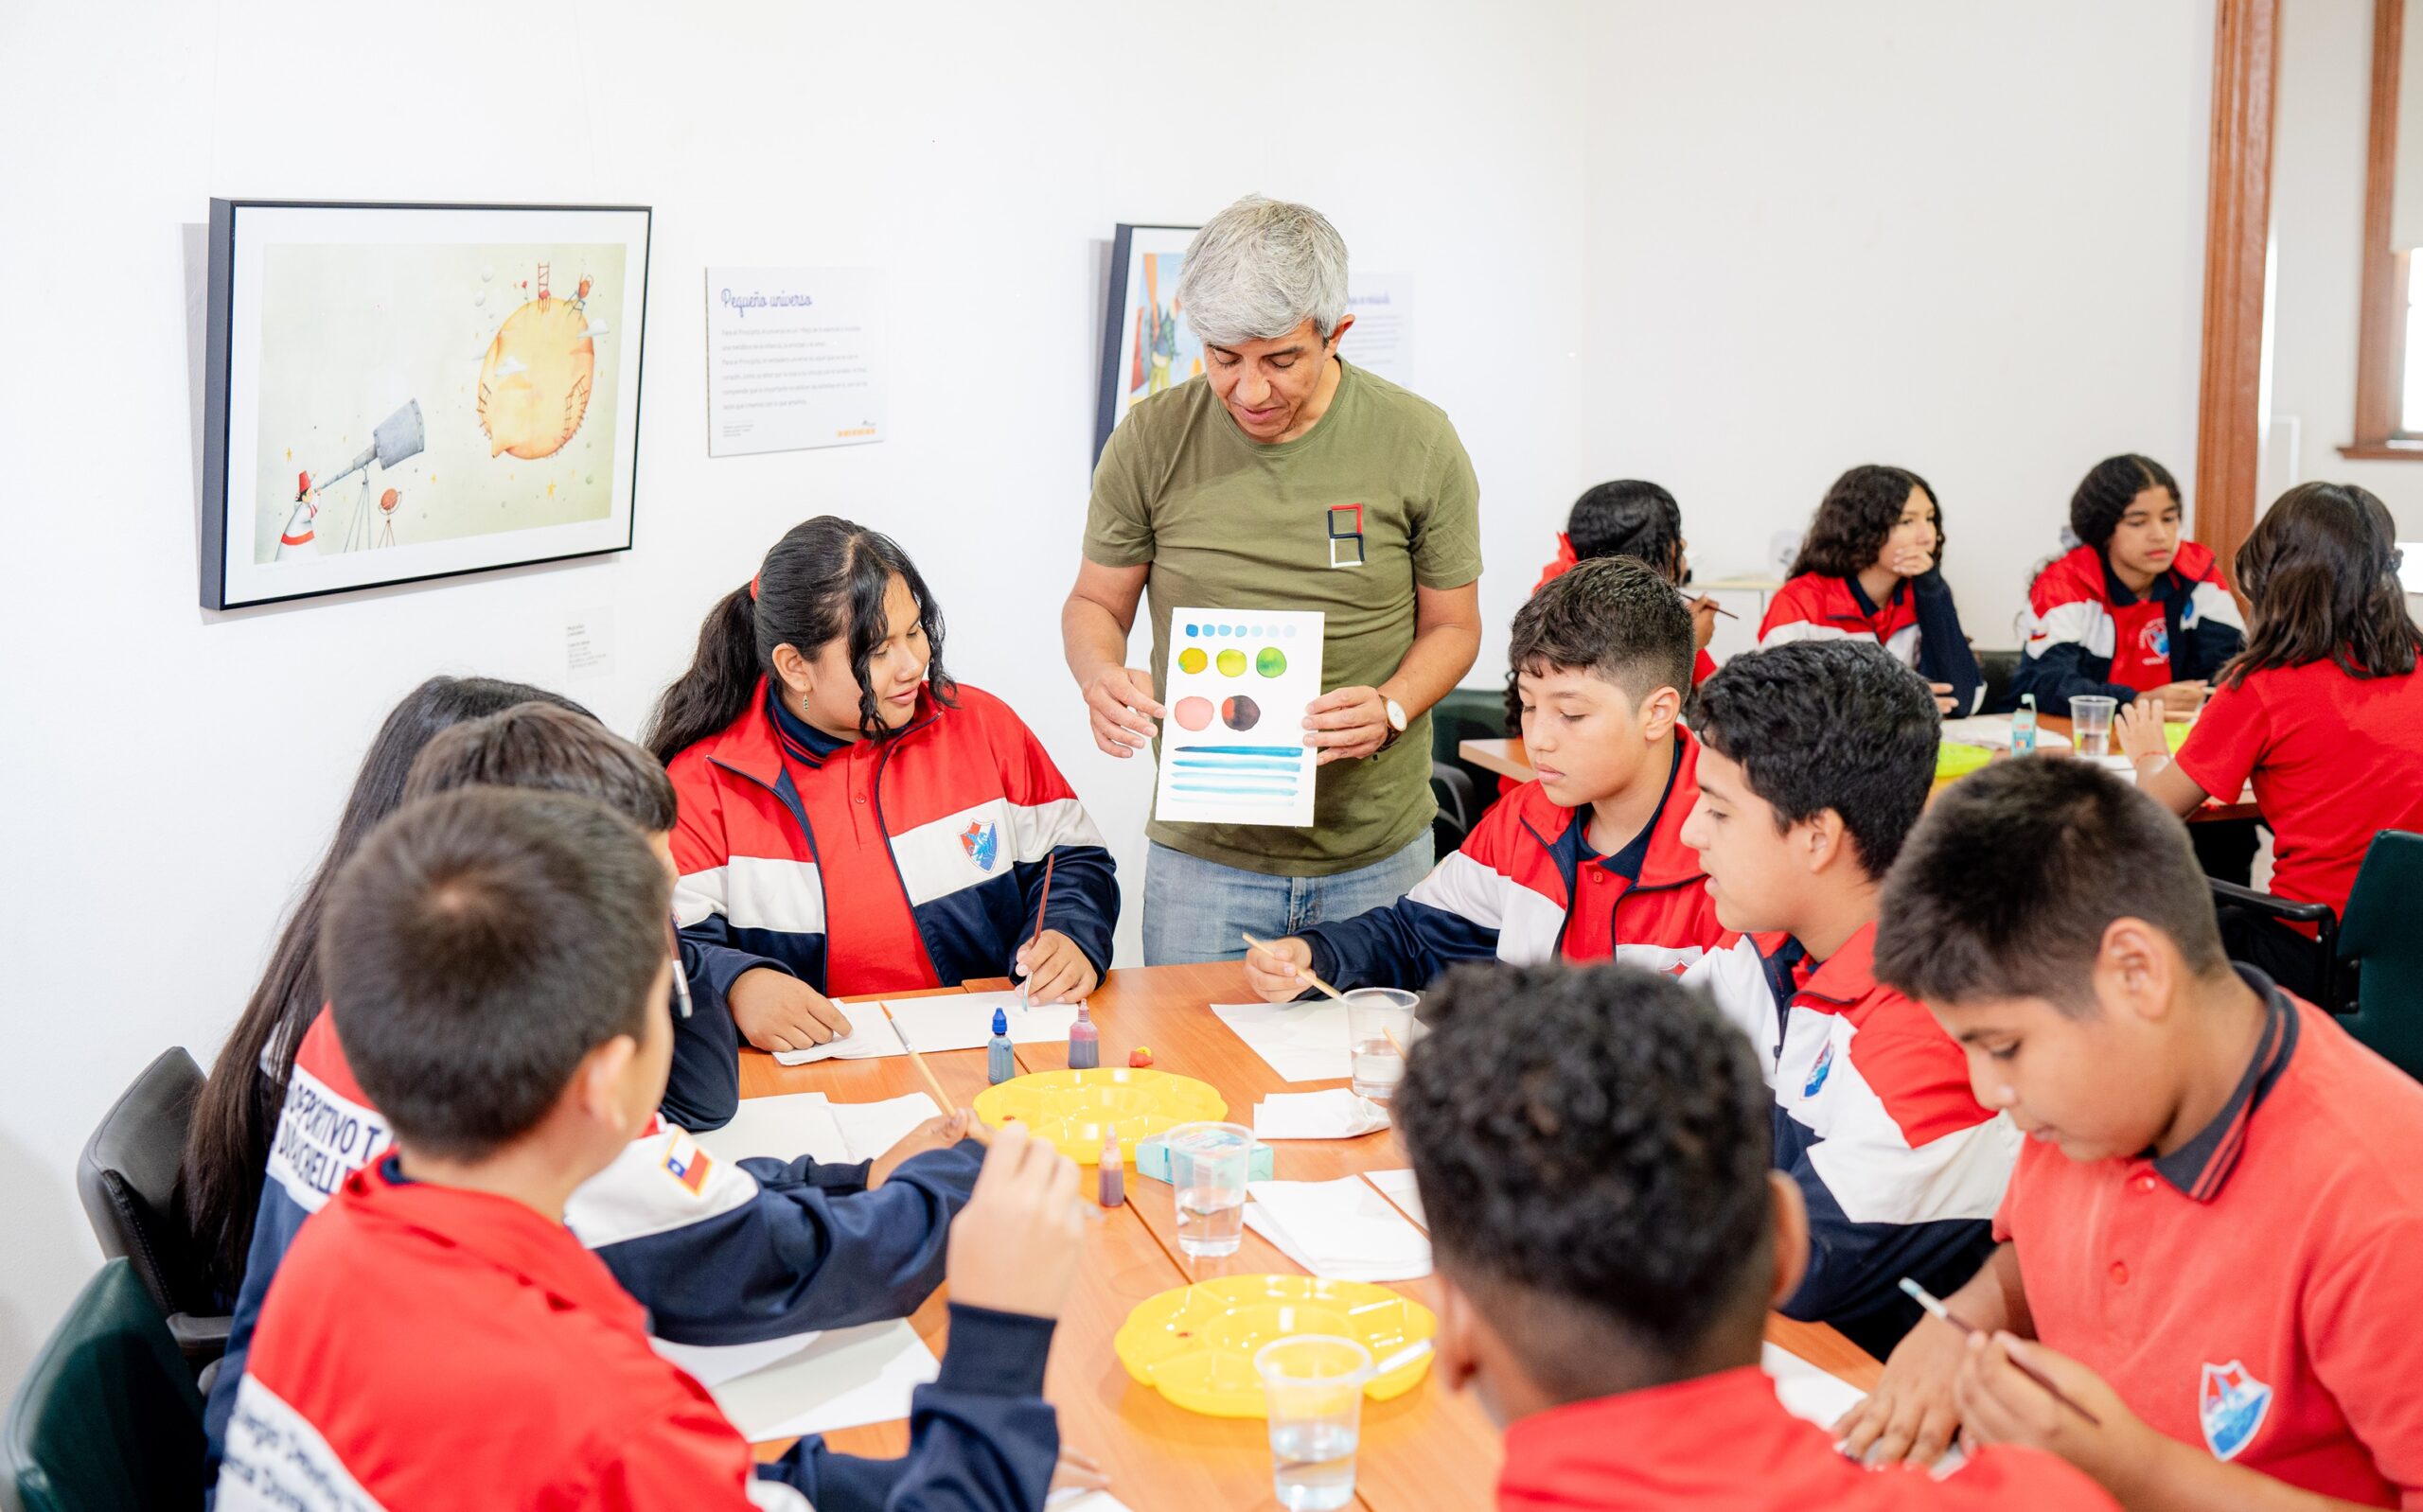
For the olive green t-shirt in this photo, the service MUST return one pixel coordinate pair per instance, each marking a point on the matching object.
(1345, 519)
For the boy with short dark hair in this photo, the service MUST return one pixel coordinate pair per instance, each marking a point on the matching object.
(731, 1252)
(1585, 861)
(1815, 758)
(496, 966)
(2216, 1219)
(1606, 1253)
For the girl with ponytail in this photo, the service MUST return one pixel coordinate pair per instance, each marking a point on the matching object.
(851, 812)
(2323, 710)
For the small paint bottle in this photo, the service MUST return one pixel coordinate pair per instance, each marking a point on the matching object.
(1084, 1042)
(1113, 1189)
(2022, 727)
(1001, 1061)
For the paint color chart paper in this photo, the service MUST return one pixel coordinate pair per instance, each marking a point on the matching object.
(1233, 747)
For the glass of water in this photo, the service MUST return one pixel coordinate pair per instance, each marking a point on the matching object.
(1379, 1029)
(2091, 723)
(1314, 1383)
(1209, 1165)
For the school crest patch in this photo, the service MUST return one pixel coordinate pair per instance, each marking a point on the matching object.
(2230, 1405)
(983, 843)
(1818, 1073)
(2155, 641)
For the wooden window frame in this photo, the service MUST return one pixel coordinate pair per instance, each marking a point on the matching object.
(2380, 333)
(2238, 231)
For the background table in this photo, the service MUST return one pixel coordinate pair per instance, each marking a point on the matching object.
(1507, 758)
(1427, 1449)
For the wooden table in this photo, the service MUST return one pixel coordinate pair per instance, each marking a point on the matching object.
(1507, 758)
(1429, 1448)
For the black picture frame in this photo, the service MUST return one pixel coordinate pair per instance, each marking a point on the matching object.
(233, 503)
(1119, 320)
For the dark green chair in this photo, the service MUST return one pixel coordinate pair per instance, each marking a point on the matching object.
(1469, 714)
(108, 1419)
(2380, 935)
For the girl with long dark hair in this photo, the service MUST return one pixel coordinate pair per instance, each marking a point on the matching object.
(851, 811)
(1869, 570)
(1632, 516)
(2133, 608)
(227, 1145)
(2323, 710)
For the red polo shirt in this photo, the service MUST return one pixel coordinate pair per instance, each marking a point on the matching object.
(2255, 1291)
(1722, 1443)
(2334, 759)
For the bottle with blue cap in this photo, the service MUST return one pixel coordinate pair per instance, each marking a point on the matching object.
(1001, 1062)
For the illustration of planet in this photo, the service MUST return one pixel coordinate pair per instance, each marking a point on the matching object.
(1240, 712)
(534, 384)
(1192, 659)
(1193, 713)
(1233, 663)
(1270, 662)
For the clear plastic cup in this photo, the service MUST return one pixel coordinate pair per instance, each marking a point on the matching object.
(1314, 1383)
(1209, 1167)
(1379, 1029)
(2091, 723)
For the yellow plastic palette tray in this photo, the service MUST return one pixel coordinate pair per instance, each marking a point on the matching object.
(1072, 1108)
(2175, 732)
(1196, 1345)
(1954, 759)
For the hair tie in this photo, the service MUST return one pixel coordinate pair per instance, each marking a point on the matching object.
(753, 590)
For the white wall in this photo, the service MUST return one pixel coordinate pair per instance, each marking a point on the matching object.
(1966, 239)
(1735, 248)
(2318, 237)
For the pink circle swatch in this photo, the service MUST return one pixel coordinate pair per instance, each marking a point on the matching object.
(1193, 713)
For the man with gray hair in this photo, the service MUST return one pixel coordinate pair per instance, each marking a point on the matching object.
(1283, 478)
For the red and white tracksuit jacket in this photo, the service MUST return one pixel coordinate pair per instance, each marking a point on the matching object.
(2088, 635)
(431, 1347)
(873, 865)
(1519, 889)
(1918, 624)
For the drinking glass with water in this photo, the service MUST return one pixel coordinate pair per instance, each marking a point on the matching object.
(1379, 1027)
(1209, 1167)
(1314, 1383)
(2091, 723)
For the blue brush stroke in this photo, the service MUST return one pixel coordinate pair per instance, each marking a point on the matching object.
(1242, 763)
(1243, 751)
(1274, 794)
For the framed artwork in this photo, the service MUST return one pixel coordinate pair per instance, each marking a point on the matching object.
(402, 392)
(1145, 345)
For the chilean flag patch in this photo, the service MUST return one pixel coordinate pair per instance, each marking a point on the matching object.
(687, 1164)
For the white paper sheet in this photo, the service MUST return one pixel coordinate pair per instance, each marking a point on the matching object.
(808, 1123)
(1301, 1042)
(1232, 748)
(714, 1364)
(1338, 1114)
(1993, 731)
(850, 1375)
(1340, 1229)
(1398, 1187)
(1808, 1393)
(964, 1021)
(871, 1037)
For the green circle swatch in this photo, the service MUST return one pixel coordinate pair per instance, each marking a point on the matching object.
(1270, 662)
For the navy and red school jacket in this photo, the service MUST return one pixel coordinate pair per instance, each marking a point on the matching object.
(432, 1347)
(1724, 1441)
(1918, 624)
(889, 865)
(720, 1251)
(1524, 887)
(1874, 1119)
(2089, 636)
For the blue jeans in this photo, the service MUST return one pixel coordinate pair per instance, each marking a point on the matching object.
(1198, 911)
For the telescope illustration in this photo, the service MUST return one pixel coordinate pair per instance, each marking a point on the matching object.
(397, 438)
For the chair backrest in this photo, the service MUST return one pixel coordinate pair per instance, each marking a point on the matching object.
(2378, 934)
(1458, 808)
(127, 1181)
(108, 1417)
(1997, 670)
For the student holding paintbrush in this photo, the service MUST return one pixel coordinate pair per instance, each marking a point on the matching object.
(857, 814)
(2205, 1286)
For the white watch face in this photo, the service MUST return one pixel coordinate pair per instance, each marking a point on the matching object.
(1396, 714)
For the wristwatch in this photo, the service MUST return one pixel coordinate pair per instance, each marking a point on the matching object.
(1396, 723)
